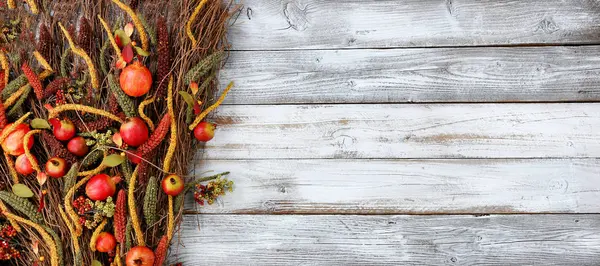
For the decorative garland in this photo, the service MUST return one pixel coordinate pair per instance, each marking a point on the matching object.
(100, 115)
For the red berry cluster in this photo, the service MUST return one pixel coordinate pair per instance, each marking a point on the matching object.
(60, 97)
(7, 231)
(7, 252)
(82, 205)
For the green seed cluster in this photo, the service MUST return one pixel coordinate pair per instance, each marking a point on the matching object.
(124, 101)
(92, 158)
(22, 205)
(151, 32)
(126, 170)
(103, 65)
(70, 178)
(128, 230)
(150, 199)
(17, 107)
(64, 60)
(13, 86)
(204, 67)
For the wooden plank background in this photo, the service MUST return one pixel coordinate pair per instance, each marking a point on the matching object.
(412, 132)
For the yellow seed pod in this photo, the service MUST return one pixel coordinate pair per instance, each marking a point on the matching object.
(143, 115)
(211, 108)
(80, 52)
(96, 233)
(15, 96)
(137, 228)
(14, 223)
(30, 156)
(188, 24)
(42, 60)
(72, 232)
(11, 168)
(82, 108)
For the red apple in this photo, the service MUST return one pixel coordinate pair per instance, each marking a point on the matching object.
(134, 131)
(172, 185)
(23, 165)
(139, 256)
(101, 186)
(77, 146)
(56, 167)
(106, 242)
(63, 129)
(13, 144)
(204, 131)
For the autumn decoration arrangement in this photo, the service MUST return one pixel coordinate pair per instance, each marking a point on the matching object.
(102, 106)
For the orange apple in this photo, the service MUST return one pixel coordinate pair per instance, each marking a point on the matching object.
(13, 144)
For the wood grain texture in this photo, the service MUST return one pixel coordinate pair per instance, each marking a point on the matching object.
(517, 74)
(407, 186)
(390, 240)
(364, 131)
(317, 24)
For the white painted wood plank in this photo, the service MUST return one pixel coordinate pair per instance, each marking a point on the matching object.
(406, 131)
(389, 240)
(482, 74)
(407, 186)
(301, 24)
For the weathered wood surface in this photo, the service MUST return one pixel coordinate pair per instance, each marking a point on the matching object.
(302, 24)
(320, 123)
(408, 186)
(482, 74)
(390, 240)
(364, 131)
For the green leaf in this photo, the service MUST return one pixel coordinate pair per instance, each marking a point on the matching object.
(96, 263)
(187, 98)
(22, 191)
(123, 38)
(141, 51)
(39, 123)
(113, 160)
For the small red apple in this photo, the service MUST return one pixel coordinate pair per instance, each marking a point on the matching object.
(56, 167)
(139, 256)
(77, 146)
(101, 186)
(204, 131)
(106, 242)
(134, 131)
(13, 144)
(172, 185)
(23, 165)
(63, 129)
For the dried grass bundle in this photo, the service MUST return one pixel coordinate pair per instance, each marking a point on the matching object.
(58, 222)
